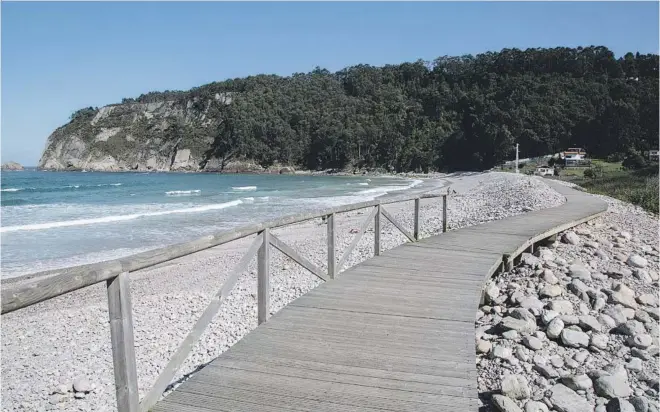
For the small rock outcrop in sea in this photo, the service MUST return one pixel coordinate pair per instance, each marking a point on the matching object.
(11, 166)
(592, 344)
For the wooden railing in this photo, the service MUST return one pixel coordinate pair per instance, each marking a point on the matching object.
(48, 285)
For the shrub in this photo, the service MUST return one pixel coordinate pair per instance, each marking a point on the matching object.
(634, 161)
(594, 172)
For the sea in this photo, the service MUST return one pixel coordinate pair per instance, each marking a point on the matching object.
(52, 220)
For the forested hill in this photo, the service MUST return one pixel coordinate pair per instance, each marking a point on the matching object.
(453, 113)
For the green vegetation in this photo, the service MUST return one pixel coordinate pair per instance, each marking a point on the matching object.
(455, 113)
(637, 185)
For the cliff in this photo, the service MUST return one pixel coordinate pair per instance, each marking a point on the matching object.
(166, 135)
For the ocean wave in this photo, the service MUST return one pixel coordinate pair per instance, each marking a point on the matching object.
(248, 199)
(118, 218)
(363, 184)
(12, 189)
(183, 192)
(264, 198)
(379, 191)
(57, 188)
(244, 188)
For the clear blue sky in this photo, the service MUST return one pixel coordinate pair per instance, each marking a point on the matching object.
(60, 57)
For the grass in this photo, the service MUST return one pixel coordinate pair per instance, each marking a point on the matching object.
(639, 187)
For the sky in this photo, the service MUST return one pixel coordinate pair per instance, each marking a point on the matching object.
(60, 57)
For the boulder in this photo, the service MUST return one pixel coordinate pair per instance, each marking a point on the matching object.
(642, 341)
(535, 406)
(515, 387)
(637, 261)
(613, 383)
(574, 339)
(550, 291)
(564, 399)
(620, 405)
(505, 404)
(484, 346)
(532, 343)
(624, 296)
(563, 307)
(599, 340)
(555, 327)
(570, 238)
(577, 382)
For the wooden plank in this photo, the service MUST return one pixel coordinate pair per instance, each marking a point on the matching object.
(444, 213)
(363, 227)
(330, 222)
(297, 257)
(123, 349)
(416, 229)
(263, 278)
(166, 376)
(376, 232)
(397, 224)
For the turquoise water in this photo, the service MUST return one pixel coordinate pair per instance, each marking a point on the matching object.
(59, 219)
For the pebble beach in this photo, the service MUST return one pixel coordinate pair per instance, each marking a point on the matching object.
(57, 354)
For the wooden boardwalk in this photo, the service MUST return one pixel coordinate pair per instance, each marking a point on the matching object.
(394, 333)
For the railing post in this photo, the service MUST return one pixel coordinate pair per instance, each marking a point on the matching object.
(444, 213)
(377, 232)
(123, 349)
(263, 278)
(416, 231)
(331, 245)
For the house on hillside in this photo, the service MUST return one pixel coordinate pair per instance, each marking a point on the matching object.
(653, 155)
(574, 156)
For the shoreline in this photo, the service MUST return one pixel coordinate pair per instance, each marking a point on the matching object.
(66, 338)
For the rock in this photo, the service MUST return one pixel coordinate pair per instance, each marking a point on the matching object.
(515, 387)
(564, 399)
(624, 235)
(555, 328)
(563, 307)
(601, 254)
(531, 302)
(484, 346)
(79, 395)
(614, 384)
(548, 315)
(544, 254)
(521, 320)
(62, 389)
(511, 335)
(640, 404)
(82, 385)
(577, 287)
(588, 322)
(557, 361)
(643, 316)
(505, 404)
(623, 295)
(643, 275)
(579, 271)
(11, 166)
(491, 292)
(647, 299)
(642, 341)
(618, 273)
(631, 328)
(637, 261)
(546, 371)
(634, 364)
(530, 260)
(500, 352)
(577, 382)
(599, 340)
(639, 353)
(532, 342)
(570, 238)
(599, 303)
(581, 356)
(574, 339)
(620, 405)
(549, 277)
(616, 314)
(535, 406)
(550, 291)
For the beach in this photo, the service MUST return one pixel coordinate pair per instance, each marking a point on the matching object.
(48, 346)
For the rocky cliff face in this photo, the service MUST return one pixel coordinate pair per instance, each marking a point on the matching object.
(11, 166)
(168, 135)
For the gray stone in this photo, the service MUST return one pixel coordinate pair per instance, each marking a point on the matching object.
(599, 340)
(588, 322)
(637, 261)
(643, 275)
(581, 356)
(620, 405)
(563, 307)
(484, 346)
(515, 387)
(643, 316)
(82, 385)
(641, 404)
(564, 399)
(531, 302)
(555, 327)
(549, 277)
(570, 238)
(546, 371)
(648, 299)
(614, 384)
(639, 353)
(535, 406)
(579, 271)
(642, 341)
(530, 260)
(511, 335)
(634, 364)
(624, 296)
(577, 382)
(550, 291)
(618, 273)
(501, 352)
(491, 292)
(574, 339)
(599, 303)
(532, 342)
(547, 315)
(591, 245)
(557, 361)
(631, 328)
(616, 314)
(505, 404)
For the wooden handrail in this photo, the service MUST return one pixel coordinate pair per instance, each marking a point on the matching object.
(116, 274)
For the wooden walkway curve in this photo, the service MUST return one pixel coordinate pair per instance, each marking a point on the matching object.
(394, 333)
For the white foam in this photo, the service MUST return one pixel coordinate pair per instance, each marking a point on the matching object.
(379, 191)
(363, 184)
(11, 189)
(244, 188)
(183, 192)
(248, 199)
(109, 184)
(119, 218)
